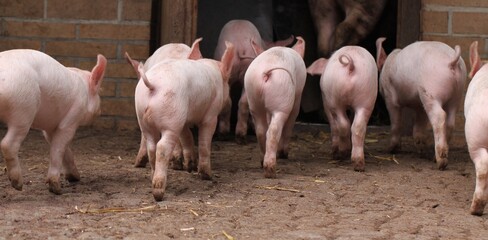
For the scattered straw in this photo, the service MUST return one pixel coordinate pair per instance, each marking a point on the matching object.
(194, 213)
(187, 229)
(370, 140)
(392, 158)
(278, 188)
(117, 210)
(229, 237)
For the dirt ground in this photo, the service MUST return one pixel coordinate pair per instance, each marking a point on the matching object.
(314, 196)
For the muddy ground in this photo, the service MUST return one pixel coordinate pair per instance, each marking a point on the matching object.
(314, 196)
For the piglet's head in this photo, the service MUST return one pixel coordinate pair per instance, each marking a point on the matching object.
(93, 80)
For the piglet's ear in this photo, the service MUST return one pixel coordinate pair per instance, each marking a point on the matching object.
(299, 46)
(256, 47)
(195, 53)
(474, 59)
(317, 67)
(97, 73)
(226, 61)
(380, 53)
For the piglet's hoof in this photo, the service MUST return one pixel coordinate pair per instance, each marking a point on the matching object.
(269, 172)
(442, 164)
(73, 177)
(55, 187)
(158, 194)
(477, 207)
(141, 161)
(17, 184)
(358, 166)
(15, 178)
(205, 176)
(205, 172)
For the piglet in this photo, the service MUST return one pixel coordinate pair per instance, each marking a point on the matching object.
(176, 95)
(38, 92)
(239, 33)
(428, 77)
(475, 128)
(349, 82)
(274, 83)
(164, 53)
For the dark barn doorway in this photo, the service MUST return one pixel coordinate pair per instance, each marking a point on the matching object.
(185, 20)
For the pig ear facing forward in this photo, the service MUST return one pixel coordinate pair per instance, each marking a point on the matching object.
(133, 63)
(97, 73)
(380, 53)
(474, 59)
(299, 46)
(195, 53)
(258, 49)
(226, 61)
(317, 67)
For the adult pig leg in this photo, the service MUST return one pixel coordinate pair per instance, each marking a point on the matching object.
(224, 117)
(242, 118)
(325, 15)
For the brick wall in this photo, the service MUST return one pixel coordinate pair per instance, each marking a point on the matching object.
(456, 22)
(75, 31)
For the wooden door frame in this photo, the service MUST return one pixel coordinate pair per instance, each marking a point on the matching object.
(176, 21)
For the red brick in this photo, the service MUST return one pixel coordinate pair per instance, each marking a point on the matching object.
(137, 10)
(112, 31)
(22, 8)
(39, 29)
(82, 9)
(127, 88)
(81, 49)
(7, 44)
(127, 124)
(139, 52)
(464, 3)
(108, 89)
(120, 70)
(469, 23)
(118, 107)
(104, 123)
(434, 22)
